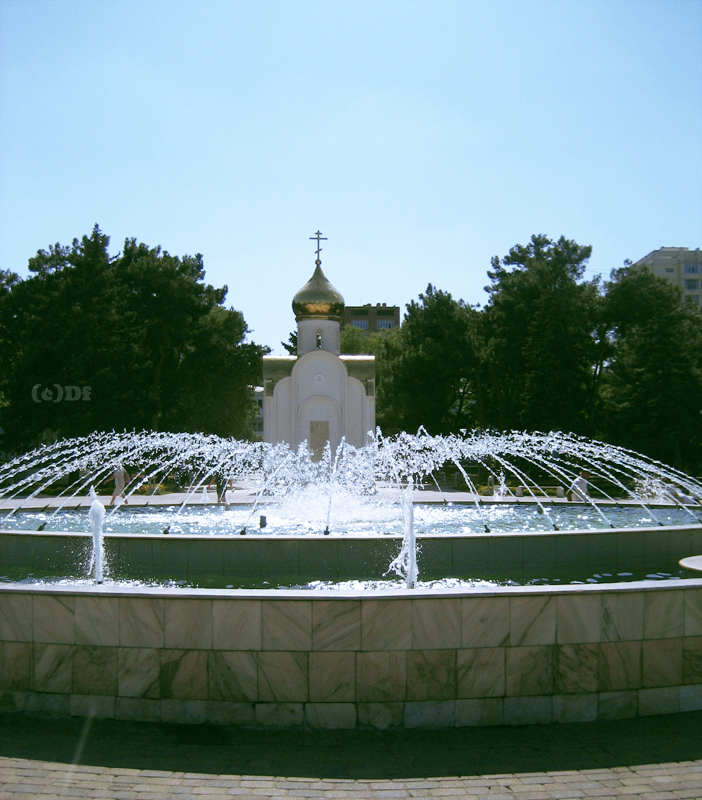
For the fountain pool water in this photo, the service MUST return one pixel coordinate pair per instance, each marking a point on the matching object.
(444, 653)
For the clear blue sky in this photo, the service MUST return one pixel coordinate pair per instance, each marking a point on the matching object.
(421, 137)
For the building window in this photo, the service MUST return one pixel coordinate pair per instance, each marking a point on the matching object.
(360, 323)
(386, 323)
(690, 269)
(692, 286)
(669, 269)
(319, 341)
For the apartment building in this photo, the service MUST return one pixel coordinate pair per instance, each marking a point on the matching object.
(680, 266)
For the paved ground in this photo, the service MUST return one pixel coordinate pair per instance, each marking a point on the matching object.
(655, 758)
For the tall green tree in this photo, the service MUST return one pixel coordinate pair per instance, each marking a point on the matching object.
(652, 385)
(539, 335)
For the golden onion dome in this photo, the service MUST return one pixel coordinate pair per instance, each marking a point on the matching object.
(318, 299)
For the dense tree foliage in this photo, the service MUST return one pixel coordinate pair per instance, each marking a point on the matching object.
(141, 335)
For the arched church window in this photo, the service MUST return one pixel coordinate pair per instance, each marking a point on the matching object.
(319, 340)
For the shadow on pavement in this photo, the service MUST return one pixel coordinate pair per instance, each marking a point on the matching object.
(358, 754)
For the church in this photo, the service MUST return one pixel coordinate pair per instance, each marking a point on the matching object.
(319, 395)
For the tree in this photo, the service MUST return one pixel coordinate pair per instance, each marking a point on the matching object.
(652, 384)
(539, 338)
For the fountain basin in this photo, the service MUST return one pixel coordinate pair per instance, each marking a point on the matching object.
(504, 655)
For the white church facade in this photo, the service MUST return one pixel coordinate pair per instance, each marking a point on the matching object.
(318, 396)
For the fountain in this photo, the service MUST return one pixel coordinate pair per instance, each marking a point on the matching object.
(471, 633)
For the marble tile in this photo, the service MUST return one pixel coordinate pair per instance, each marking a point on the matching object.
(94, 670)
(436, 624)
(431, 675)
(222, 712)
(622, 616)
(286, 625)
(619, 666)
(576, 668)
(336, 625)
(532, 620)
(528, 710)
(381, 676)
(14, 702)
(98, 706)
(183, 675)
(97, 620)
(52, 668)
(137, 709)
(618, 705)
(15, 617)
(233, 676)
(332, 677)
(665, 700)
(280, 715)
(381, 716)
(691, 697)
(330, 715)
(15, 666)
(430, 714)
(692, 660)
(138, 672)
(529, 670)
(386, 624)
(575, 707)
(283, 677)
(661, 663)
(693, 612)
(188, 624)
(53, 619)
(49, 705)
(480, 672)
(663, 614)
(485, 621)
(236, 624)
(142, 622)
(184, 712)
(578, 618)
(489, 711)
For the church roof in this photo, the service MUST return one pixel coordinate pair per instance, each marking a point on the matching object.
(318, 299)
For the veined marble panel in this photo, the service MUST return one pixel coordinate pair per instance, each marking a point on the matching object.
(528, 710)
(619, 666)
(618, 705)
(691, 697)
(233, 676)
(480, 672)
(332, 677)
(183, 712)
(188, 624)
(138, 672)
(236, 624)
(331, 715)
(15, 666)
(664, 614)
(485, 621)
(280, 715)
(529, 670)
(693, 612)
(436, 624)
(575, 707)
(532, 620)
(52, 668)
(53, 618)
(578, 618)
(183, 675)
(381, 715)
(15, 617)
(142, 622)
(430, 714)
(381, 676)
(386, 624)
(485, 711)
(97, 620)
(622, 616)
(286, 625)
(100, 706)
(662, 662)
(665, 700)
(283, 677)
(336, 625)
(227, 713)
(692, 660)
(138, 709)
(576, 668)
(431, 675)
(94, 670)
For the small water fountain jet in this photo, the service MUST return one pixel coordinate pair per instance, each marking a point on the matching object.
(96, 517)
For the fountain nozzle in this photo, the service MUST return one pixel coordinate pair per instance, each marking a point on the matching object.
(326, 531)
(242, 532)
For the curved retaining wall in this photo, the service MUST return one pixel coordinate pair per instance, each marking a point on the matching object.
(289, 658)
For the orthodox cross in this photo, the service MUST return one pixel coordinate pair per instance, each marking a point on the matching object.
(318, 236)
